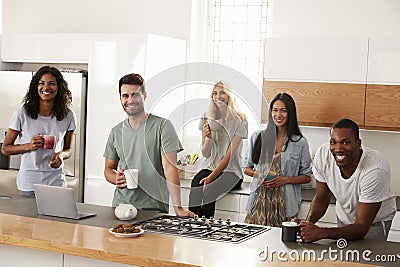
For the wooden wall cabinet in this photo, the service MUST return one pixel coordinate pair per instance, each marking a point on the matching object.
(319, 104)
(382, 109)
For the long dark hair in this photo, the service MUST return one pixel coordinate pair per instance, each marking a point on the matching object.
(269, 133)
(292, 126)
(62, 101)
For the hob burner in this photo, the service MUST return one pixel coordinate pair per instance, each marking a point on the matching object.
(209, 229)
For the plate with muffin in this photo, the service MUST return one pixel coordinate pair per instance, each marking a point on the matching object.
(125, 230)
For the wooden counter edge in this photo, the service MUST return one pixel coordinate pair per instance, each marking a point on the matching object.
(137, 260)
(140, 261)
(87, 252)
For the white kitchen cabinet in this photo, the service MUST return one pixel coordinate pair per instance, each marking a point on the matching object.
(75, 261)
(227, 207)
(383, 61)
(224, 214)
(316, 59)
(25, 257)
(229, 202)
(233, 206)
(243, 203)
(98, 192)
(47, 47)
(328, 218)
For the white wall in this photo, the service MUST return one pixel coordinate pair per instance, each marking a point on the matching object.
(170, 18)
(336, 18)
(343, 19)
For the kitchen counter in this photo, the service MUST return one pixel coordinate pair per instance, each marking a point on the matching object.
(21, 226)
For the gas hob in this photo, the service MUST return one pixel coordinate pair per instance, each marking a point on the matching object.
(202, 228)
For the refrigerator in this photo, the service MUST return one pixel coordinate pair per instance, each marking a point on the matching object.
(13, 87)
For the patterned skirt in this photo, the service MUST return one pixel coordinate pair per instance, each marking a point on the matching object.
(269, 208)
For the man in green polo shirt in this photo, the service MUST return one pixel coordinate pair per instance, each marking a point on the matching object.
(148, 143)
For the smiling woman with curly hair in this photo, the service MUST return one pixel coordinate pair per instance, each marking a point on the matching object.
(62, 100)
(46, 111)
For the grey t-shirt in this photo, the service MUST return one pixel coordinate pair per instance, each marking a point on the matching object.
(34, 167)
(222, 133)
(142, 149)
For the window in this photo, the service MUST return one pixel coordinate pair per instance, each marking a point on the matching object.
(239, 28)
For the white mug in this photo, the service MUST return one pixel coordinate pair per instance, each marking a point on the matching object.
(132, 178)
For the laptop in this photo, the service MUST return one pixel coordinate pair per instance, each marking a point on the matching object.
(58, 201)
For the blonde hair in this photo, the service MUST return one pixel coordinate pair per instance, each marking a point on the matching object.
(213, 111)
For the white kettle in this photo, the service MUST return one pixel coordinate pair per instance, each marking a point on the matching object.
(125, 212)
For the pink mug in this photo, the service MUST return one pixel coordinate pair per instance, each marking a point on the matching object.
(49, 141)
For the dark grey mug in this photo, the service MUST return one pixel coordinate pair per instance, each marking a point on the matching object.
(289, 231)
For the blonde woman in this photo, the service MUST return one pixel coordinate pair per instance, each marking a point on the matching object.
(223, 129)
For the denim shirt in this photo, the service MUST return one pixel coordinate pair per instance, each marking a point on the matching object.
(295, 161)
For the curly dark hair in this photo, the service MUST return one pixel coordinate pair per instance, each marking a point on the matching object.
(62, 101)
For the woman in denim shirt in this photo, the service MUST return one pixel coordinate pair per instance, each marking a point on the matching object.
(276, 197)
